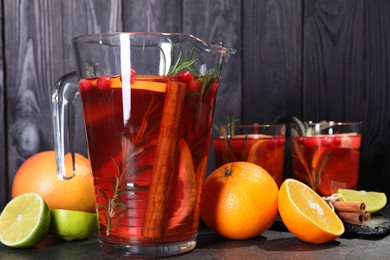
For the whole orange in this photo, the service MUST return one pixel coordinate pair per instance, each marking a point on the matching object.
(39, 174)
(239, 200)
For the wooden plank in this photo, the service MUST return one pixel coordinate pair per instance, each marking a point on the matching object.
(271, 60)
(38, 52)
(3, 143)
(32, 51)
(375, 107)
(215, 21)
(88, 17)
(152, 16)
(334, 60)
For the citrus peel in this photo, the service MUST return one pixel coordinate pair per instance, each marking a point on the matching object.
(306, 214)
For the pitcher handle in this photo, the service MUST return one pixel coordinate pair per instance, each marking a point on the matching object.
(65, 92)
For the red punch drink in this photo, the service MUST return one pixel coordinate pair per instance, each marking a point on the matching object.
(125, 156)
(259, 144)
(327, 162)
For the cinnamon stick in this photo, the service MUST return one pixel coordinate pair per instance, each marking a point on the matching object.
(165, 161)
(348, 211)
(351, 212)
(349, 206)
(356, 218)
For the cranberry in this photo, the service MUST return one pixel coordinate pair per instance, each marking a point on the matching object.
(271, 144)
(302, 140)
(85, 84)
(193, 86)
(104, 82)
(327, 141)
(185, 76)
(280, 140)
(336, 141)
(311, 142)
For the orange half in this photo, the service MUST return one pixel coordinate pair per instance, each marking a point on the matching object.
(306, 214)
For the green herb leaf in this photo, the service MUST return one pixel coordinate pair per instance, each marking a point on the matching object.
(180, 64)
(306, 129)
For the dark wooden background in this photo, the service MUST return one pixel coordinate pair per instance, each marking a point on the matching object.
(315, 59)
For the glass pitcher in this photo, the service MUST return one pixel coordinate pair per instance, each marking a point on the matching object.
(148, 101)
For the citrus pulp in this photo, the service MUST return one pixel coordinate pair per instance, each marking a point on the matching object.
(306, 214)
(374, 201)
(24, 221)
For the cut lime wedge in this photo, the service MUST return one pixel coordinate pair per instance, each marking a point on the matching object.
(24, 221)
(374, 201)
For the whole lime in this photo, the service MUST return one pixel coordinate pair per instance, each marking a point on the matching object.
(72, 225)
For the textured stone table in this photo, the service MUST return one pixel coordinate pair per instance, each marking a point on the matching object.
(271, 244)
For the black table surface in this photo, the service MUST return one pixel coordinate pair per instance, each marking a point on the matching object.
(272, 244)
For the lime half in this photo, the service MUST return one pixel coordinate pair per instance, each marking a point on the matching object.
(72, 225)
(374, 200)
(24, 221)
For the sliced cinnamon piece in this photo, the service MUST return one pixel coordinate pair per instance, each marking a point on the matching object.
(165, 161)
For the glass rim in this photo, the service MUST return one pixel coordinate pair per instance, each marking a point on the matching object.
(259, 125)
(115, 34)
(331, 123)
(218, 47)
(326, 128)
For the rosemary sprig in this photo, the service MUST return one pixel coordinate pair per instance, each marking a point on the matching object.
(227, 130)
(208, 80)
(114, 207)
(187, 64)
(306, 128)
(180, 64)
(134, 147)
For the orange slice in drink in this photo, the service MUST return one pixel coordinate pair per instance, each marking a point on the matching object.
(150, 83)
(335, 168)
(270, 157)
(306, 214)
(183, 190)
